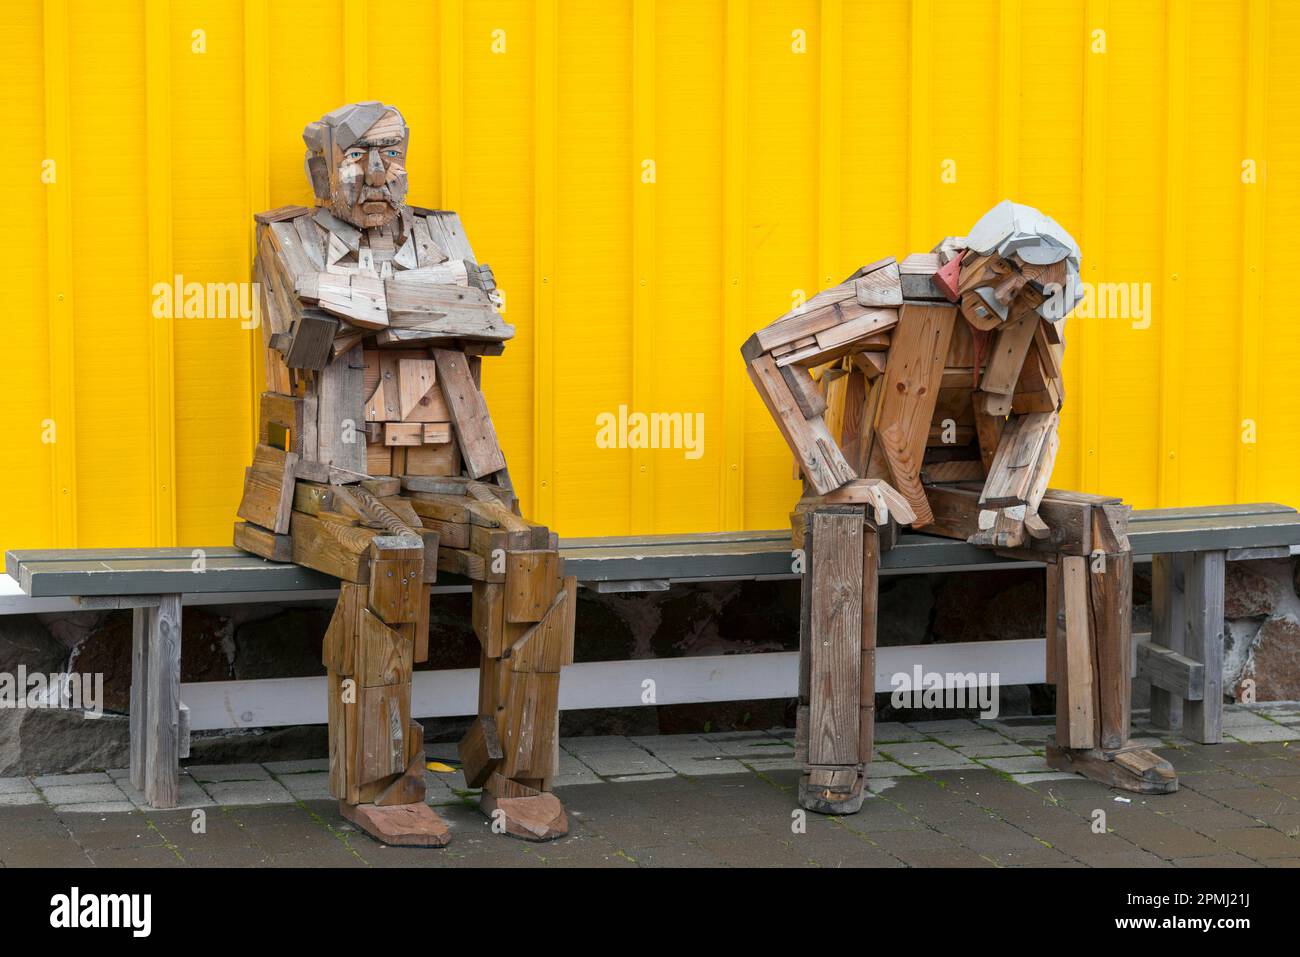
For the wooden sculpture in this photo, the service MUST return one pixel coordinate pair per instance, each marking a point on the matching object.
(377, 463)
(927, 393)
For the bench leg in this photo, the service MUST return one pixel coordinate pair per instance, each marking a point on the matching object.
(162, 698)
(1167, 630)
(139, 693)
(837, 643)
(1203, 719)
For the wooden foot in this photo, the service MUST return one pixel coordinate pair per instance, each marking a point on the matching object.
(1129, 768)
(401, 825)
(836, 792)
(539, 817)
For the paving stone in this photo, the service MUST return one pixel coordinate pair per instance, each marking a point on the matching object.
(595, 742)
(82, 793)
(698, 767)
(624, 759)
(297, 767)
(628, 778)
(208, 773)
(994, 750)
(948, 857)
(926, 754)
(1271, 732)
(695, 744)
(932, 728)
(887, 769)
(16, 786)
(572, 771)
(43, 852)
(980, 736)
(248, 792)
(1025, 764)
(14, 798)
(309, 785)
(1242, 718)
(770, 764)
(1212, 781)
(1257, 800)
(63, 780)
(191, 795)
(136, 857)
(755, 744)
(1048, 776)
(894, 731)
(1217, 860)
(1257, 843)
(99, 807)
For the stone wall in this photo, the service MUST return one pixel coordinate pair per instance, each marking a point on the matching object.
(262, 641)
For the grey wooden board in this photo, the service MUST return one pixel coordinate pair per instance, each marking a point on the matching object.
(699, 556)
(1167, 669)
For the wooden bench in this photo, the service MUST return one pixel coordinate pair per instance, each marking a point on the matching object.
(1181, 658)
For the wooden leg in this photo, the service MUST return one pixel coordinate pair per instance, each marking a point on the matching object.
(833, 645)
(376, 751)
(525, 627)
(1203, 719)
(1167, 631)
(139, 694)
(1110, 593)
(1096, 593)
(867, 677)
(162, 704)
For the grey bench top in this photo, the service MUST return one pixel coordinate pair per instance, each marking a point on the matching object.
(710, 555)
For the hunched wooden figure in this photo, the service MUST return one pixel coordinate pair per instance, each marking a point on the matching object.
(378, 463)
(927, 393)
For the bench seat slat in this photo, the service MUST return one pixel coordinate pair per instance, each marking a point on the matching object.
(701, 555)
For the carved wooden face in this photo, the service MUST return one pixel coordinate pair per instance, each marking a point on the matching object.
(368, 178)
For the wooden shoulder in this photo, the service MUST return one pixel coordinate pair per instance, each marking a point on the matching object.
(280, 214)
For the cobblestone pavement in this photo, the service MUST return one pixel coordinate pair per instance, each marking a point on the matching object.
(944, 793)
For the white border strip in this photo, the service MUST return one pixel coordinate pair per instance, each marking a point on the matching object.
(275, 702)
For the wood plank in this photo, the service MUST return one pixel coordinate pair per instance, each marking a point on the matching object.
(821, 462)
(162, 731)
(806, 394)
(1110, 594)
(1016, 464)
(341, 412)
(139, 700)
(1168, 630)
(1204, 578)
(268, 489)
(1006, 359)
(911, 388)
(1078, 653)
(1177, 675)
(835, 572)
(531, 581)
(468, 412)
(867, 669)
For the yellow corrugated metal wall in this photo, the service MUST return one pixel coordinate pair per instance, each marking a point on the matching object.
(785, 143)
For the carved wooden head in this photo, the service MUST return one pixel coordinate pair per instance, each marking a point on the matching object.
(1017, 260)
(356, 160)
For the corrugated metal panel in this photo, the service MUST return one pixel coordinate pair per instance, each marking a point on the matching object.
(652, 180)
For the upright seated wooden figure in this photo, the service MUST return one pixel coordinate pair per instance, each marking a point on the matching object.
(377, 463)
(927, 393)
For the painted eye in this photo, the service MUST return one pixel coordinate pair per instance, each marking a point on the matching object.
(392, 152)
(355, 154)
